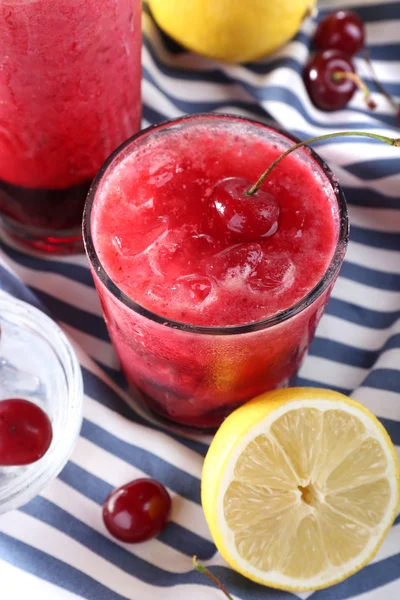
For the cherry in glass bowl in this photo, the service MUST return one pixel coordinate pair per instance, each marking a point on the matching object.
(38, 365)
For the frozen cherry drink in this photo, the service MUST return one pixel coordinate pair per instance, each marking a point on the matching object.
(69, 95)
(212, 296)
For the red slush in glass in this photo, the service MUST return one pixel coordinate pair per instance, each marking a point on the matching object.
(205, 315)
(69, 95)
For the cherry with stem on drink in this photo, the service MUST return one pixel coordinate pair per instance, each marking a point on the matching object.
(375, 136)
(249, 221)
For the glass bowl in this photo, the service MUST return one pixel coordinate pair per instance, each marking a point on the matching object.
(37, 363)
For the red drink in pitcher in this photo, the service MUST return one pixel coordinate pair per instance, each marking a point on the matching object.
(208, 306)
(69, 95)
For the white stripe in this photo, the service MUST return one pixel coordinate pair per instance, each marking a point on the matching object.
(390, 591)
(294, 121)
(383, 31)
(382, 403)
(15, 584)
(345, 332)
(390, 359)
(286, 78)
(93, 346)
(192, 90)
(117, 472)
(328, 372)
(155, 99)
(387, 261)
(388, 186)
(390, 546)
(57, 285)
(4, 263)
(379, 219)
(366, 296)
(59, 545)
(156, 442)
(355, 150)
(88, 512)
(385, 70)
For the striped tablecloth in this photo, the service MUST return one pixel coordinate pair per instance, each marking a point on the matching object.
(56, 548)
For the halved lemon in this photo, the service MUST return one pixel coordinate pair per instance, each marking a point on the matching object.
(299, 488)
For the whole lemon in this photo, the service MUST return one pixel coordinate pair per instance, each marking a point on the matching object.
(231, 30)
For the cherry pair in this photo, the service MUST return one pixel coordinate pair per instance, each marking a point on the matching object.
(329, 75)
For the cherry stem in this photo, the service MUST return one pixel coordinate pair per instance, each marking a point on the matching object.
(339, 75)
(201, 569)
(377, 83)
(375, 136)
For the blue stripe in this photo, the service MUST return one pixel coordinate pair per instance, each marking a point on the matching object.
(54, 571)
(371, 277)
(218, 77)
(97, 490)
(349, 355)
(76, 317)
(97, 389)
(272, 93)
(370, 578)
(154, 466)
(75, 272)
(361, 316)
(376, 239)
(49, 513)
(384, 52)
(369, 198)
(342, 353)
(370, 170)
(16, 288)
(383, 379)
(392, 427)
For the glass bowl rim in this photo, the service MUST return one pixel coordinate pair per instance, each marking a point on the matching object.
(25, 487)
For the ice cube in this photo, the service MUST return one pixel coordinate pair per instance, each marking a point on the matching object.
(129, 244)
(236, 263)
(191, 290)
(180, 253)
(276, 271)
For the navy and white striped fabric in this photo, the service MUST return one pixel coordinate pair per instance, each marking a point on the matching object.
(56, 547)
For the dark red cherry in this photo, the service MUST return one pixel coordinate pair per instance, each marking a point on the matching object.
(324, 91)
(137, 511)
(244, 218)
(25, 432)
(342, 30)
